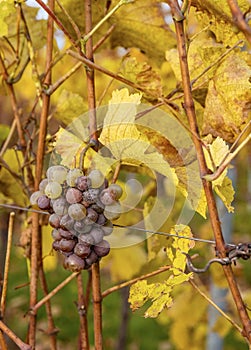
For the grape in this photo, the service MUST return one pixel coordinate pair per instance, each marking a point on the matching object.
(102, 249)
(57, 173)
(106, 197)
(82, 250)
(54, 220)
(44, 202)
(55, 235)
(53, 190)
(74, 263)
(92, 258)
(107, 228)
(77, 211)
(55, 245)
(83, 183)
(34, 197)
(73, 195)
(113, 211)
(67, 222)
(67, 245)
(60, 206)
(86, 238)
(43, 184)
(99, 209)
(116, 191)
(72, 176)
(98, 234)
(101, 220)
(81, 227)
(91, 216)
(90, 196)
(66, 234)
(97, 178)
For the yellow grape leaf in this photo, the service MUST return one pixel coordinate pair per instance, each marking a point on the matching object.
(179, 246)
(49, 260)
(216, 152)
(222, 185)
(226, 193)
(70, 106)
(147, 19)
(6, 8)
(142, 74)
(10, 187)
(227, 108)
(216, 16)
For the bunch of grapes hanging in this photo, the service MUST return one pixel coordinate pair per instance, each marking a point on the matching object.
(81, 212)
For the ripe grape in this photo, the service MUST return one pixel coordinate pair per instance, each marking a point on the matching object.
(72, 176)
(82, 250)
(83, 183)
(102, 249)
(67, 222)
(98, 234)
(55, 245)
(34, 197)
(43, 184)
(77, 211)
(90, 196)
(54, 220)
(92, 258)
(74, 263)
(66, 234)
(113, 211)
(73, 195)
(44, 202)
(107, 228)
(116, 191)
(60, 206)
(82, 227)
(57, 173)
(66, 245)
(91, 216)
(97, 178)
(53, 190)
(55, 235)
(106, 197)
(86, 238)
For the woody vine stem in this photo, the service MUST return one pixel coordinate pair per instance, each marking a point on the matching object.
(178, 17)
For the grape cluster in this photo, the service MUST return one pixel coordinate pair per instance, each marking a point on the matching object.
(81, 209)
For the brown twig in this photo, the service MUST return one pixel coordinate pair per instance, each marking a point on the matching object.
(97, 306)
(134, 280)
(7, 265)
(14, 337)
(212, 208)
(36, 229)
(52, 330)
(82, 310)
(52, 293)
(239, 19)
(210, 301)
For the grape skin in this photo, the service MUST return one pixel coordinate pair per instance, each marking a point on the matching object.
(53, 190)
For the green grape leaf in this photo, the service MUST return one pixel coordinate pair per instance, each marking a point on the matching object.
(69, 107)
(10, 187)
(214, 155)
(228, 107)
(216, 16)
(160, 294)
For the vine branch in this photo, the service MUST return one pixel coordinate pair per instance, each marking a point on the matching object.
(212, 208)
